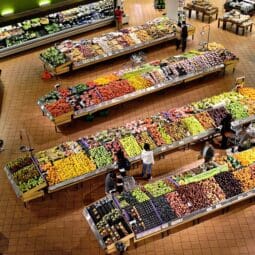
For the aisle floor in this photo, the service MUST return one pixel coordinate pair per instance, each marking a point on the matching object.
(55, 226)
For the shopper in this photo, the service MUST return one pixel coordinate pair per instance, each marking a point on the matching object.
(110, 183)
(148, 160)
(1, 145)
(208, 152)
(178, 35)
(122, 161)
(226, 131)
(184, 35)
(118, 17)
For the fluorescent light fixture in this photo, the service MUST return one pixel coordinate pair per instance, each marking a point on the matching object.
(44, 2)
(7, 11)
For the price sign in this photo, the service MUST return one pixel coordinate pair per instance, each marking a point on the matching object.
(209, 209)
(163, 148)
(176, 222)
(165, 225)
(218, 206)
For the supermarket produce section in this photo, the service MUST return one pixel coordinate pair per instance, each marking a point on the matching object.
(72, 55)
(75, 161)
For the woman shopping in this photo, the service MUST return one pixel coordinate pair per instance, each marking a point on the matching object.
(148, 160)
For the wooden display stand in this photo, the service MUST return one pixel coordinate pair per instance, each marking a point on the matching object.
(34, 193)
(245, 26)
(202, 9)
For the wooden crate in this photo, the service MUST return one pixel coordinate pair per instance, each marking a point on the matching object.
(63, 119)
(34, 192)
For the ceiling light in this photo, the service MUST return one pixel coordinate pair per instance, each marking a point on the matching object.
(7, 11)
(44, 2)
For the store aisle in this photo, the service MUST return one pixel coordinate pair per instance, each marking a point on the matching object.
(55, 226)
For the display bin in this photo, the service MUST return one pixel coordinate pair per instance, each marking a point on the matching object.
(63, 119)
(109, 249)
(31, 194)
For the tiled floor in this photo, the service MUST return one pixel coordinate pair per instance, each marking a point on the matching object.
(55, 225)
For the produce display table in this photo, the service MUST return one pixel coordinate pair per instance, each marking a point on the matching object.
(153, 75)
(244, 6)
(35, 188)
(28, 34)
(166, 203)
(88, 157)
(83, 53)
(206, 9)
(238, 20)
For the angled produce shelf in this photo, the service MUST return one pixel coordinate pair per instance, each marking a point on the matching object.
(157, 209)
(86, 52)
(125, 85)
(76, 161)
(31, 33)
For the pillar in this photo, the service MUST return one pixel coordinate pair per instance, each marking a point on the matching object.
(172, 9)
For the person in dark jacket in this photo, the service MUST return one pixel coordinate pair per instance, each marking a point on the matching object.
(122, 161)
(110, 182)
(184, 36)
(208, 152)
(178, 36)
(226, 131)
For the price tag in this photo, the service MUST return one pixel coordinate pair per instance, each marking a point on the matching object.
(109, 54)
(97, 57)
(218, 206)
(163, 148)
(176, 222)
(165, 225)
(250, 193)
(150, 88)
(209, 209)
(195, 137)
(239, 197)
(181, 142)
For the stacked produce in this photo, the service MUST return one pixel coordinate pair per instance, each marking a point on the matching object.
(212, 191)
(193, 125)
(192, 195)
(26, 30)
(54, 57)
(231, 162)
(180, 208)
(25, 174)
(131, 146)
(218, 114)
(246, 158)
(158, 188)
(237, 110)
(143, 138)
(247, 178)
(101, 156)
(248, 92)
(166, 213)
(139, 195)
(177, 130)
(109, 221)
(68, 168)
(228, 184)
(144, 215)
(206, 121)
(58, 108)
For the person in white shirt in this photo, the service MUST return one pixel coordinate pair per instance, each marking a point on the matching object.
(148, 160)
